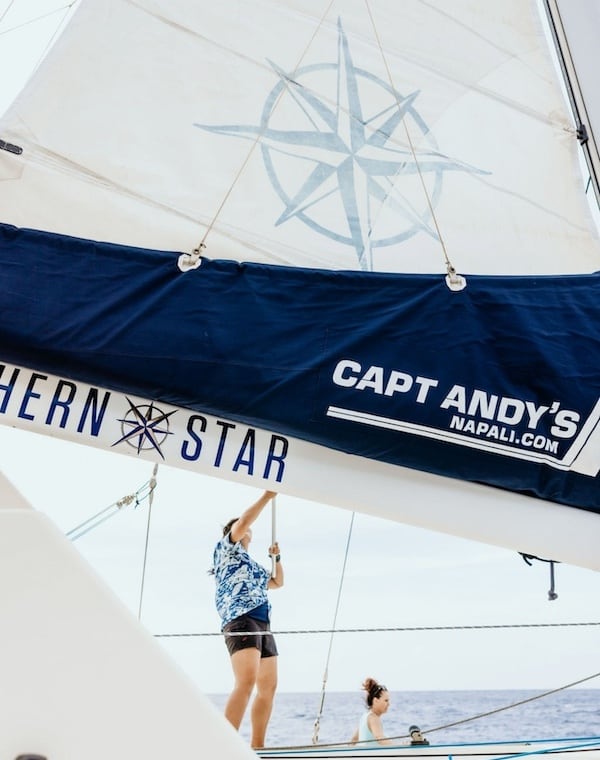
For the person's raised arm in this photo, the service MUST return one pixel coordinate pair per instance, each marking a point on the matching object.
(241, 525)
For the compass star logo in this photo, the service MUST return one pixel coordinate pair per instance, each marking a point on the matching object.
(145, 427)
(347, 161)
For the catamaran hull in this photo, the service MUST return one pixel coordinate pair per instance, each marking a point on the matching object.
(573, 749)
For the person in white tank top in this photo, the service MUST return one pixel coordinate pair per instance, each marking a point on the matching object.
(370, 726)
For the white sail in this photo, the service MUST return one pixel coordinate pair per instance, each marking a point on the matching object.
(148, 134)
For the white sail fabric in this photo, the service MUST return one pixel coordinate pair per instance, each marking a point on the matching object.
(137, 128)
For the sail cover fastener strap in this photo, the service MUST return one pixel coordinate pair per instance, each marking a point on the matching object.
(16, 149)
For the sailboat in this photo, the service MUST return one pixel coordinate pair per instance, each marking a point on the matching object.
(337, 249)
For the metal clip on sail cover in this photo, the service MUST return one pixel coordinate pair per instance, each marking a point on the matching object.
(455, 281)
(188, 261)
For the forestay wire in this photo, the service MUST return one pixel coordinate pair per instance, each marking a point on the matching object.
(317, 724)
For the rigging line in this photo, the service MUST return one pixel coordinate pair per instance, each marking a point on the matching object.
(259, 135)
(449, 266)
(6, 10)
(406, 629)
(68, 8)
(317, 723)
(463, 720)
(150, 500)
(95, 520)
(513, 704)
(24, 24)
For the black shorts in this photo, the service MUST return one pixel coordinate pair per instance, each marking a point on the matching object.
(265, 643)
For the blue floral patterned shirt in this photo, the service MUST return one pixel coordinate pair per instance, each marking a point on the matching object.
(241, 581)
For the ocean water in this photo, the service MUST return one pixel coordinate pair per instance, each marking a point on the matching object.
(572, 713)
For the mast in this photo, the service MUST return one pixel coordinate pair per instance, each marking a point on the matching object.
(575, 38)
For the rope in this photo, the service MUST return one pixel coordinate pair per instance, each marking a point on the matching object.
(463, 720)
(450, 269)
(513, 704)
(67, 8)
(589, 743)
(6, 10)
(196, 253)
(150, 500)
(407, 629)
(317, 723)
(143, 492)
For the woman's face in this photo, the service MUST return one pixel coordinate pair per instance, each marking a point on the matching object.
(381, 703)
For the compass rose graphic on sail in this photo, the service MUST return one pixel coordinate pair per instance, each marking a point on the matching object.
(145, 427)
(349, 162)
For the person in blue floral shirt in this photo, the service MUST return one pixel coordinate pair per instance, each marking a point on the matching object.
(242, 604)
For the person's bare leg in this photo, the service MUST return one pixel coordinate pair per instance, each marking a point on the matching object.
(245, 664)
(266, 683)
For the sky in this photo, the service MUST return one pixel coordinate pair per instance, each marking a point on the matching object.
(395, 576)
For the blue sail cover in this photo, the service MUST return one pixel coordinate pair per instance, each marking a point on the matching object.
(496, 384)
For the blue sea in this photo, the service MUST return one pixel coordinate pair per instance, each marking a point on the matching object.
(572, 713)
